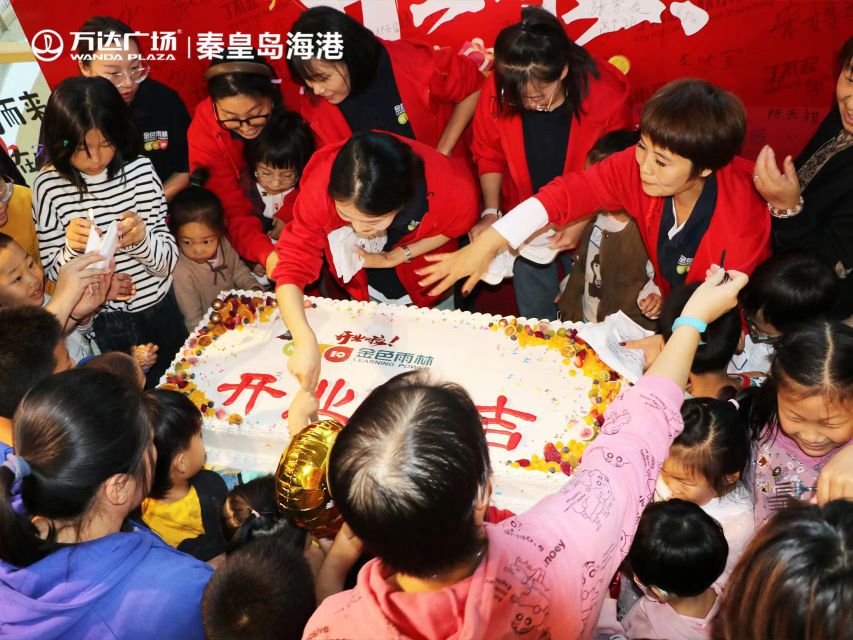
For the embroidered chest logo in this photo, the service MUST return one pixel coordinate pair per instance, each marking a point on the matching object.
(413, 225)
(156, 140)
(683, 265)
(400, 112)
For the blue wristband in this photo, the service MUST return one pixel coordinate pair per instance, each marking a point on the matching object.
(690, 322)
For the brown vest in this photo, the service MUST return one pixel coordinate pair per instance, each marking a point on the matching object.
(623, 274)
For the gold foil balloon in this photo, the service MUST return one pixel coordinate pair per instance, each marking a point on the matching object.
(301, 480)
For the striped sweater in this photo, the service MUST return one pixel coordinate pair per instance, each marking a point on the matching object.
(150, 263)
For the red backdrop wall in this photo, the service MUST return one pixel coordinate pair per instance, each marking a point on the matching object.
(778, 56)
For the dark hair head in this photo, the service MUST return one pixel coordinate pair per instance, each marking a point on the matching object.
(67, 430)
(816, 359)
(102, 26)
(251, 511)
(28, 339)
(78, 105)
(376, 172)
(721, 337)
(697, 120)
(714, 443)
(793, 580)
(196, 204)
(119, 364)
(612, 142)
(536, 50)
(678, 548)
(360, 52)
(407, 473)
(176, 421)
(254, 85)
(264, 590)
(286, 142)
(7, 241)
(790, 289)
(844, 63)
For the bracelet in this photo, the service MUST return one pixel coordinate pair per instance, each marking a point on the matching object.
(491, 211)
(77, 320)
(408, 253)
(786, 213)
(686, 321)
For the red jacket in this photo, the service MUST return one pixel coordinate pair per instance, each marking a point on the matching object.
(285, 211)
(222, 154)
(430, 83)
(498, 145)
(452, 198)
(740, 224)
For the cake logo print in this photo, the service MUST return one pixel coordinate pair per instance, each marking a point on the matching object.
(47, 45)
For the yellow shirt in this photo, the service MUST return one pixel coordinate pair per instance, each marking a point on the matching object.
(174, 521)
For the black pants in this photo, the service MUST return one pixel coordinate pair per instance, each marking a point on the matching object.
(161, 324)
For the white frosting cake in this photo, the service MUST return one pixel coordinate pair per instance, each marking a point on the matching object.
(541, 391)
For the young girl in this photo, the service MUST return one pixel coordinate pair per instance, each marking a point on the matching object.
(208, 264)
(804, 412)
(71, 565)
(276, 159)
(95, 176)
(706, 465)
(183, 504)
(410, 474)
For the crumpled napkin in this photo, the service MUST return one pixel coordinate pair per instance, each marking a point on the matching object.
(536, 248)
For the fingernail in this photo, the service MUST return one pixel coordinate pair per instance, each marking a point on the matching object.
(622, 344)
(465, 294)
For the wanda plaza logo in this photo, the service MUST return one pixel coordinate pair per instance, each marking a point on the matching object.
(48, 45)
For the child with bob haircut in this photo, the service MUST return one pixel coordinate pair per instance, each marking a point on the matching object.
(707, 465)
(692, 198)
(264, 590)
(803, 416)
(71, 564)
(413, 460)
(208, 264)
(677, 555)
(183, 504)
(96, 176)
(793, 580)
(276, 159)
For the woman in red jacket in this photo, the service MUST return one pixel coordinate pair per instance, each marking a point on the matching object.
(540, 113)
(692, 197)
(243, 96)
(403, 88)
(375, 206)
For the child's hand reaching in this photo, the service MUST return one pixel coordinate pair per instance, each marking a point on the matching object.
(131, 229)
(121, 287)
(345, 552)
(651, 306)
(277, 227)
(77, 233)
(145, 355)
(835, 481)
(302, 411)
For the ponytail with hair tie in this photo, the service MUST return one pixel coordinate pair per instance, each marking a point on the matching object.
(20, 469)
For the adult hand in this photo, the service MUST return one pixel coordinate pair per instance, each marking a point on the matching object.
(121, 287)
(484, 223)
(781, 190)
(277, 227)
(77, 233)
(93, 297)
(714, 297)
(651, 348)
(304, 363)
(568, 236)
(835, 481)
(302, 411)
(383, 259)
(472, 261)
(131, 229)
(651, 306)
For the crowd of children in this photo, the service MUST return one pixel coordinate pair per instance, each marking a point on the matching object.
(729, 515)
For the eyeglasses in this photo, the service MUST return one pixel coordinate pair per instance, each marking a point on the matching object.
(236, 123)
(757, 337)
(136, 75)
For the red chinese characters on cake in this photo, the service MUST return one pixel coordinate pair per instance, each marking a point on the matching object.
(376, 341)
(331, 401)
(507, 436)
(257, 383)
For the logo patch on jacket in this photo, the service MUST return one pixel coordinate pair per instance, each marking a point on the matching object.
(683, 265)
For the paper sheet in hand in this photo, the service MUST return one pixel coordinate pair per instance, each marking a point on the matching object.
(105, 245)
(605, 337)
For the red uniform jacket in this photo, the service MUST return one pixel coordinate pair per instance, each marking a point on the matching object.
(740, 224)
(452, 199)
(285, 211)
(430, 83)
(498, 145)
(222, 154)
